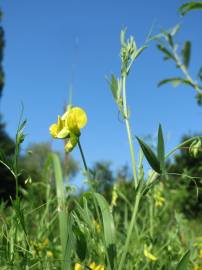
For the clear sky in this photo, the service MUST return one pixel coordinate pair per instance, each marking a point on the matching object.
(51, 44)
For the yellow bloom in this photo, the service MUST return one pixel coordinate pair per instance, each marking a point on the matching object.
(68, 126)
(159, 200)
(97, 226)
(78, 266)
(93, 266)
(200, 254)
(49, 253)
(75, 119)
(147, 254)
(59, 130)
(197, 267)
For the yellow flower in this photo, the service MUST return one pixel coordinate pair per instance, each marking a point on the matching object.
(78, 266)
(197, 267)
(75, 119)
(148, 255)
(49, 253)
(93, 266)
(198, 242)
(200, 254)
(97, 226)
(59, 130)
(159, 200)
(68, 126)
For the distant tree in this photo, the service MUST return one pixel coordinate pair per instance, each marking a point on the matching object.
(2, 43)
(7, 183)
(33, 161)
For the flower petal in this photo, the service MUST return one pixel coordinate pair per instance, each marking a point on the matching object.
(53, 129)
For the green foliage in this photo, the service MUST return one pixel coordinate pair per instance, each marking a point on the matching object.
(150, 156)
(183, 263)
(185, 176)
(166, 44)
(189, 6)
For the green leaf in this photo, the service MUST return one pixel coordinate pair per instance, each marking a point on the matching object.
(166, 52)
(186, 51)
(109, 228)
(189, 6)
(174, 30)
(114, 86)
(183, 263)
(160, 148)
(62, 213)
(123, 36)
(170, 40)
(81, 245)
(176, 81)
(138, 52)
(150, 156)
(200, 74)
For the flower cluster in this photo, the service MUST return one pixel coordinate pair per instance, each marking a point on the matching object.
(39, 248)
(92, 266)
(68, 126)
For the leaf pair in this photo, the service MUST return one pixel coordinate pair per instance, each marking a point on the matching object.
(157, 162)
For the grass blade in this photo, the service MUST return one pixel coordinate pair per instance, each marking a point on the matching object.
(62, 213)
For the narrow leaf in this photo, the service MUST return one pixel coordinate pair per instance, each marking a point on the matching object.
(138, 52)
(150, 156)
(187, 7)
(175, 82)
(160, 148)
(166, 52)
(109, 228)
(62, 213)
(186, 51)
(183, 263)
(114, 86)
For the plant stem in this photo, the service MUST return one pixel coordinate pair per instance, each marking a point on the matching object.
(180, 145)
(128, 128)
(83, 157)
(130, 230)
(185, 72)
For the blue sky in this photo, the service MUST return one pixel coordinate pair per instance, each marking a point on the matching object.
(52, 44)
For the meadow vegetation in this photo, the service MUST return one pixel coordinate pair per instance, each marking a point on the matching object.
(131, 219)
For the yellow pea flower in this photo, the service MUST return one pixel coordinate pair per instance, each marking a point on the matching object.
(148, 254)
(68, 126)
(159, 199)
(59, 130)
(49, 253)
(93, 266)
(75, 119)
(78, 266)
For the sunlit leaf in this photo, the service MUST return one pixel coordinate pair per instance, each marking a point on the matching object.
(183, 263)
(109, 228)
(187, 7)
(150, 156)
(176, 81)
(166, 52)
(186, 51)
(160, 147)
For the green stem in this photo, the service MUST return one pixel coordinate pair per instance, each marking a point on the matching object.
(185, 72)
(181, 145)
(128, 128)
(83, 157)
(130, 230)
